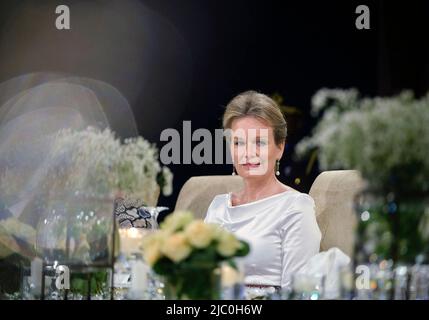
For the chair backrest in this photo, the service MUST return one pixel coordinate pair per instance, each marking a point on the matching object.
(198, 192)
(332, 191)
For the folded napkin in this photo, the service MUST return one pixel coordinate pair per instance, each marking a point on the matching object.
(327, 264)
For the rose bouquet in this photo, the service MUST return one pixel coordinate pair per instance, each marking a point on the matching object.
(187, 252)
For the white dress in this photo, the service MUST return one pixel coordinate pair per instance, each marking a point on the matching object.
(281, 229)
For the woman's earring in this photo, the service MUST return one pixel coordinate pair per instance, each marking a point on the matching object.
(233, 170)
(277, 167)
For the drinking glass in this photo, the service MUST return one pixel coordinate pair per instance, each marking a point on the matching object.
(419, 283)
(307, 287)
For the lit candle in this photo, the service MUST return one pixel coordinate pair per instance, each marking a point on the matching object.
(138, 279)
(131, 239)
(36, 275)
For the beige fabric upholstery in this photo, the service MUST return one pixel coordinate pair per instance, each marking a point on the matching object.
(198, 192)
(332, 191)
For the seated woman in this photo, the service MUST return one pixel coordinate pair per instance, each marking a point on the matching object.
(278, 222)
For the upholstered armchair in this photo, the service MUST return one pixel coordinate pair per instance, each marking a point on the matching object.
(332, 191)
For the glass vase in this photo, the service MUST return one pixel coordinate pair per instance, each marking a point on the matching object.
(193, 284)
(391, 227)
(77, 233)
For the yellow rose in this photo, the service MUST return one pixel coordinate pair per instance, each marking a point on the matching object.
(151, 245)
(199, 234)
(176, 247)
(177, 220)
(228, 244)
(152, 255)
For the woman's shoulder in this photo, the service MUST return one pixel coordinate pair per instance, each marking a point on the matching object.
(216, 207)
(301, 198)
(300, 211)
(297, 203)
(294, 197)
(220, 200)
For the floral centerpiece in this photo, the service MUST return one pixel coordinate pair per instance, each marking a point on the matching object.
(98, 169)
(187, 252)
(387, 140)
(99, 163)
(70, 197)
(91, 167)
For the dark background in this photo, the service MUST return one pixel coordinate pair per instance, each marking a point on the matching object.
(292, 48)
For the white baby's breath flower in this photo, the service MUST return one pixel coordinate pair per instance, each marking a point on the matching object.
(95, 161)
(380, 137)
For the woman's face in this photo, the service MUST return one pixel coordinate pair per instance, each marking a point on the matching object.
(253, 149)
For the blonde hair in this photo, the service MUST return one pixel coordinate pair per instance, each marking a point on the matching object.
(252, 103)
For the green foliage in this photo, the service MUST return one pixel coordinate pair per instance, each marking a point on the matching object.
(10, 274)
(195, 277)
(392, 229)
(92, 283)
